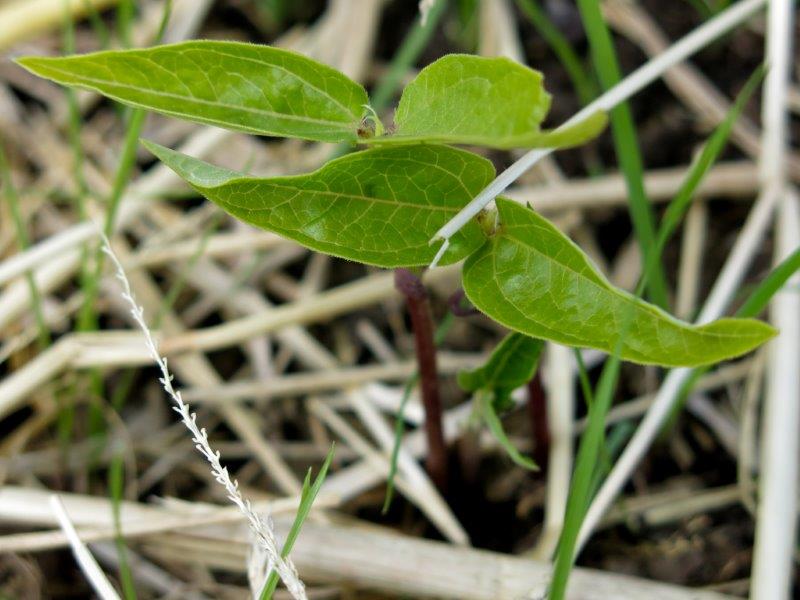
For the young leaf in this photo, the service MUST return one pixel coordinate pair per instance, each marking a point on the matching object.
(495, 102)
(512, 364)
(487, 407)
(244, 87)
(378, 207)
(533, 279)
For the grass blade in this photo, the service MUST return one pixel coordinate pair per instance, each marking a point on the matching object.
(405, 57)
(116, 485)
(706, 159)
(626, 144)
(757, 301)
(569, 58)
(307, 498)
(11, 197)
(584, 478)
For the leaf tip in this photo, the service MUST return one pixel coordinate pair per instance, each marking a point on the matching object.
(29, 62)
(164, 154)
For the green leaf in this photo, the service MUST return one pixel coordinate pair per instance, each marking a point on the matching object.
(533, 279)
(705, 160)
(512, 364)
(307, 497)
(495, 102)
(244, 87)
(486, 402)
(378, 207)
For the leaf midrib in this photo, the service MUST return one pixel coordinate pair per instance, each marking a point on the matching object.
(274, 66)
(344, 126)
(396, 203)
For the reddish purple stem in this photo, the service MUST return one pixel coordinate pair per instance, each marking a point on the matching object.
(537, 409)
(419, 310)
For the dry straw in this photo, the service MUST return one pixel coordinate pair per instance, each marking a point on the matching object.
(260, 527)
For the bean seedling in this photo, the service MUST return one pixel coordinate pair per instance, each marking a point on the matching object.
(381, 205)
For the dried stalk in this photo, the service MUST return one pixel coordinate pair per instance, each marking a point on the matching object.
(260, 527)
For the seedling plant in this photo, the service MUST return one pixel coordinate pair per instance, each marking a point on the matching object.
(382, 204)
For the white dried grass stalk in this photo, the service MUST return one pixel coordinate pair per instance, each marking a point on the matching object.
(260, 527)
(85, 559)
(425, 7)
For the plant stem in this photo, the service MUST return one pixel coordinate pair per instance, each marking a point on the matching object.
(537, 409)
(419, 310)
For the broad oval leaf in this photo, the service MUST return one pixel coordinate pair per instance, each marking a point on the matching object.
(378, 207)
(244, 87)
(533, 279)
(495, 102)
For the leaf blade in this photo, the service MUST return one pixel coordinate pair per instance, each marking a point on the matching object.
(244, 87)
(564, 137)
(517, 276)
(378, 207)
(512, 364)
(495, 425)
(493, 102)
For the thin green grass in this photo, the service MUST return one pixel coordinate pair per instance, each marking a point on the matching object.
(583, 377)
(407, 54)
(755, 303)
(468, 24)
(99, 27)
(126, 10)
(585, 478)
(705, 160)
(274, 13)
(307, 497)
(616, 439)
(626, 144)
(91, 271)
(66, 414)
(87, 319)
(581, 80)
(116, 487)
(9, 192)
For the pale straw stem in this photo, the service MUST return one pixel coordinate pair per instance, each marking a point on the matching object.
(261, 528)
